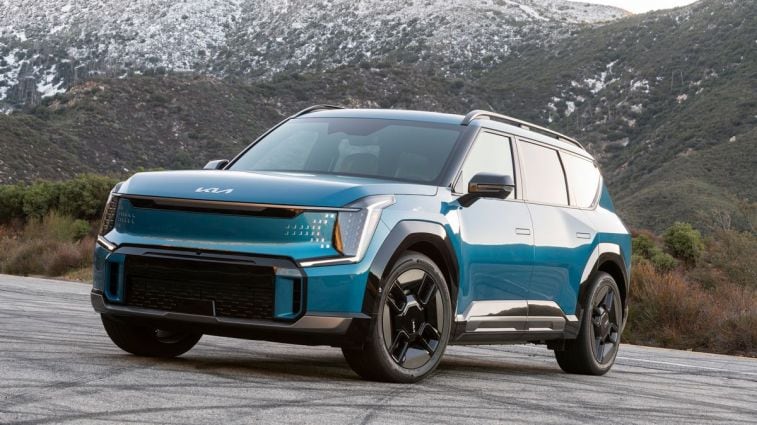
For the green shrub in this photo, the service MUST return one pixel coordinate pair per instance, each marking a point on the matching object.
(645, 250)
(11, 203)
(684, 242)
(643, 245)
(82, 197)
(85, 196)
(662, 261)
(39, 198)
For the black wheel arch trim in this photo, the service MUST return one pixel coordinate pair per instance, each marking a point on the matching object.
(617, 262)
(403, 236)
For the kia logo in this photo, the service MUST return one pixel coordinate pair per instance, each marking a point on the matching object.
(213, 190)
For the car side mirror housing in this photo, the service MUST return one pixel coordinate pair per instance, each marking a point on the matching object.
(487, 185)
(216, 164)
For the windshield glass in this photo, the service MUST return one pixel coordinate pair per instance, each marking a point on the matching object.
(387, 149)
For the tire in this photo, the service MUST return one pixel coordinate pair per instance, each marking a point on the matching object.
(409, 333)
(593, 352)
(147, 341)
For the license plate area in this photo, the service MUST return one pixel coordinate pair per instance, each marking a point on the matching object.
(193, 306)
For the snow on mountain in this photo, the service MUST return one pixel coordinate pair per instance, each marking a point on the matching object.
(47, 45)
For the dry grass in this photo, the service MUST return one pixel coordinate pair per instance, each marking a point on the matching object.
(669, 311)
(52, 246)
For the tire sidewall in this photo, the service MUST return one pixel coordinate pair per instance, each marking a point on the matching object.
(396, 372)
(601, 281)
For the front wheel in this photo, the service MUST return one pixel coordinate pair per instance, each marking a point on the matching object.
(148, 341)
(410, 331)
(593, 351)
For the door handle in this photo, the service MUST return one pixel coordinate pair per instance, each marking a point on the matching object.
(522, 231)
(583, 235)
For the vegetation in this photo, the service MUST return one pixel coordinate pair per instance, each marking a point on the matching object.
(704, 299)
(684, 242)
(48, 228)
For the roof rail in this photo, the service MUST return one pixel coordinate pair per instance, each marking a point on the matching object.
(476, 114)
(314, 108)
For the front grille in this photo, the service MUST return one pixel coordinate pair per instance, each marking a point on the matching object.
(200, 287)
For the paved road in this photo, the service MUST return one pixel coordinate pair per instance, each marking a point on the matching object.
(58, 366)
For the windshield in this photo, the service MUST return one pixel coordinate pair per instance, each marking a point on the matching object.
(387, 149)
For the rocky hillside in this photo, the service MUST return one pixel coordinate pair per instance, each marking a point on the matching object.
(665, 100)
(48, 45)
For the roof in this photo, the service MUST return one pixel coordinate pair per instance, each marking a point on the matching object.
(388, 114)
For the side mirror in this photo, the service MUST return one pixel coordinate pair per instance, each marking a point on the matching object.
(487, 185)
(216, 164)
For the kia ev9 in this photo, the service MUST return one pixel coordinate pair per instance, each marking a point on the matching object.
(390, 234)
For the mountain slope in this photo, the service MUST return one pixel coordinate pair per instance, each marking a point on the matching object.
(48, 45)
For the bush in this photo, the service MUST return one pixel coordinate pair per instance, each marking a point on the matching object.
(684, 242)
(44, 257)
(643, 245)
(645, 249)
(735, 253)
(668, 311)
(662, 261)
(57, 227)
(83, 197)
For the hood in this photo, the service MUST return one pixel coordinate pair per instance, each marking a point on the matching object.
(266, 187)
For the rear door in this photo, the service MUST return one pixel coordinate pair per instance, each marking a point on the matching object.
(497, 252)
(563, 235)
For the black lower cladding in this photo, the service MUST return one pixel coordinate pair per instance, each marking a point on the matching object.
(200, 287)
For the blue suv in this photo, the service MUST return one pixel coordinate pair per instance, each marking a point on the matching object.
(390, 234)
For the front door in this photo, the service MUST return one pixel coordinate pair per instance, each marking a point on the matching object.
(497, 243)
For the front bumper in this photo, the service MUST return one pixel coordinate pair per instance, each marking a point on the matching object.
(337, 330)
(329, 311)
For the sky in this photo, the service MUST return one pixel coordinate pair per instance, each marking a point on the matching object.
(641, 6)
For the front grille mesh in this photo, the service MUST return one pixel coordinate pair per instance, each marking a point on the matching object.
(233, 290)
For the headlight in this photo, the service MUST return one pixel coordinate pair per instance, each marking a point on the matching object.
(354, 229)
(111, 209)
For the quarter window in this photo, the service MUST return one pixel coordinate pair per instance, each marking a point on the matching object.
(583, 180)
(490, 154)
(543, 176)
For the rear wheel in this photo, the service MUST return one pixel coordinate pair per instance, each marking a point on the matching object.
(410, 331)
(593, 352)
(148, 341)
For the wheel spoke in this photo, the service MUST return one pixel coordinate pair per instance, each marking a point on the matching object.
(598, 349)
(609, 298)
(429, 338)
(399, 347)
(426, 290)
(397, 298)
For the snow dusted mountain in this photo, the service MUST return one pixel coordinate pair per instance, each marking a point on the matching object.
(48, 45)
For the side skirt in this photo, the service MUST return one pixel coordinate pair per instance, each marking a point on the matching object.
(502, 322)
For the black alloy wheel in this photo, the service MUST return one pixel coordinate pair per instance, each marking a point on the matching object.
(605, 324)
(412, 318)
(410, 329)
(594, 350)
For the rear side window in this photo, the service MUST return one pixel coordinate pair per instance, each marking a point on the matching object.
(583, 179)
(543, 176)
(490, 154)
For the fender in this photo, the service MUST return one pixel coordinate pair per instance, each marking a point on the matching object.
(404, 235)
(604, 256)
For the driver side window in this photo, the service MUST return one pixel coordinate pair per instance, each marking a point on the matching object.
(490, 153)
